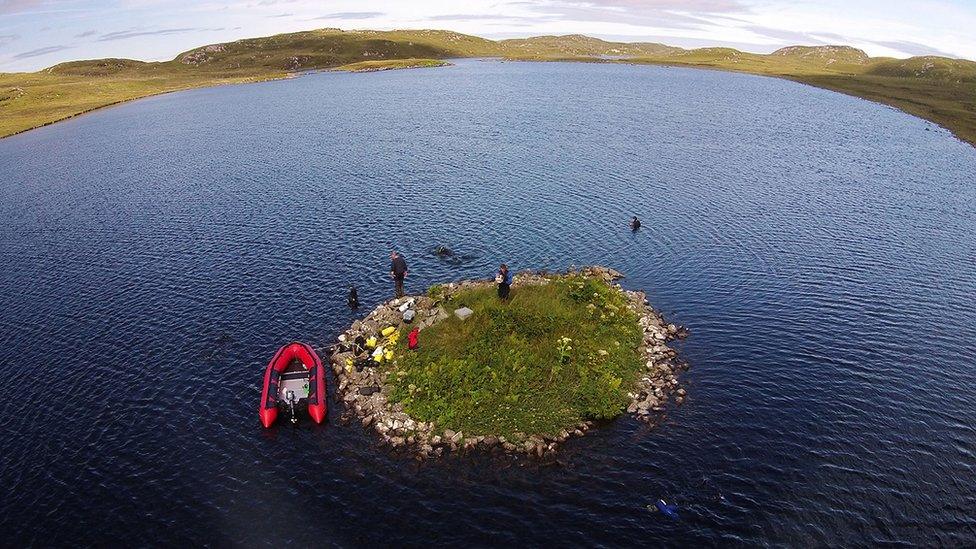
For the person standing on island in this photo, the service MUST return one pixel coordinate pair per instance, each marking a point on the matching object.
(398, 270)
(504, 280)
(635, 224)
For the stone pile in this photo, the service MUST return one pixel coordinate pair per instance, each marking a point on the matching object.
(363, 388)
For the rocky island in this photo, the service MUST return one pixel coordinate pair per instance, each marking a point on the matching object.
(518, 376)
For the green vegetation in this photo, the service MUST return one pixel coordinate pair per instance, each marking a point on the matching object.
(935, 88)
(576, 46)
(388, 64)
(554, 355)
(30, 100)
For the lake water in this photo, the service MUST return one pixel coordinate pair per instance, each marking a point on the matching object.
(820, 248)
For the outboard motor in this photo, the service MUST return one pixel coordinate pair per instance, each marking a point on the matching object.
(292, 401)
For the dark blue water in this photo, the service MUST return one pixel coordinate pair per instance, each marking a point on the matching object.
(820, 248)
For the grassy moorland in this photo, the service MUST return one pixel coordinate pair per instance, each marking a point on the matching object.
(938, 89)
(36, 99)
(30, 100)
(554, 355)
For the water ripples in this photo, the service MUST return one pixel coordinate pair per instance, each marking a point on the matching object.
(819, 247)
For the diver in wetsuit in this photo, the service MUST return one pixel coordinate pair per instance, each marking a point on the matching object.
(635, 224)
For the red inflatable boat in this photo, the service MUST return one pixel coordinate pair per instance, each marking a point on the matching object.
(293, 375)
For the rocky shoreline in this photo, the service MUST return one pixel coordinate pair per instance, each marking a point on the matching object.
(361, 383)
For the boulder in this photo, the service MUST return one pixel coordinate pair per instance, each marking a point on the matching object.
(463, 313)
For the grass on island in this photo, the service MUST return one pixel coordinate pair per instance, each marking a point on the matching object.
(388, 64)
(939, 89)
(507, 368)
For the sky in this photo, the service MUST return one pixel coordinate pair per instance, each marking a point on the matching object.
(35, 34)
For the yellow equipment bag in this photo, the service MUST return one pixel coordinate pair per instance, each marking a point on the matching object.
(387, 331)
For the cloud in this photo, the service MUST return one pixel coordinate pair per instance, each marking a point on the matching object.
(124, 35)
(40, 51)
(787, 36)
(913, 48)
(86, 34)
(832, 36)
(7, 38)
(659, 14)
(490, 17)
(15, 6)
(687, 6)
(280, 15)
(352, 15)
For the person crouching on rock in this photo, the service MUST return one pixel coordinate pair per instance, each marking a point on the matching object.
(504, 280)
(398, 270)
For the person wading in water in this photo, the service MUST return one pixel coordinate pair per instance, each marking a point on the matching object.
(398, 270)
(504, 280)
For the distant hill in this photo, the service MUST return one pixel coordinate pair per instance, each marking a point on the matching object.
(937, 88)
(332, 47)
(98, 67)
(578, 45)
(826, 55)
(928, 67)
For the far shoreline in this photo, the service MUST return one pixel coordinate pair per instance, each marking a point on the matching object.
(904, 105)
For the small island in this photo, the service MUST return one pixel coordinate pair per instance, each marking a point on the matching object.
(521, 375)
(392, 64)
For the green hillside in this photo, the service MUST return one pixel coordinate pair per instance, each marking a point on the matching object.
(577, 45)
(939, 89)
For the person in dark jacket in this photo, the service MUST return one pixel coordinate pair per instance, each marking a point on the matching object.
(398, 270)
(504, 279)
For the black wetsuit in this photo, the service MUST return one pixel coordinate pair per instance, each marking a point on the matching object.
(399, 268)
(505, 285)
